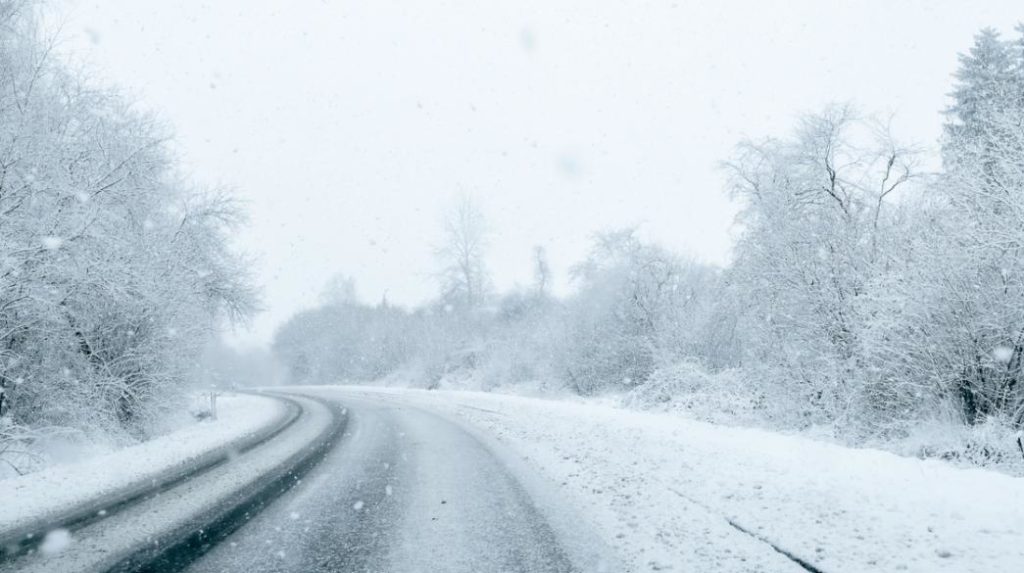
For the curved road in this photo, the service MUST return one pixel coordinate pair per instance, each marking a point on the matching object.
(404, 490)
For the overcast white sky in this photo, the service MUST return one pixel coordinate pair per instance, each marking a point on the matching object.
(348, 127)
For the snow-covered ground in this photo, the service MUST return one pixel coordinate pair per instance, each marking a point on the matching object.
(36, 497)
(672, 493)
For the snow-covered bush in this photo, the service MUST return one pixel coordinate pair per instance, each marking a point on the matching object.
(520, 346)
(991, 443)
(735, 396)
(637, 307)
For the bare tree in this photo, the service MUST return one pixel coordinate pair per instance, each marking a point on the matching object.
(460, 256)
(541, 272)
(339, 290)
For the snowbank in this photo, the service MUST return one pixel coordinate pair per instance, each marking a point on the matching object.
(667, 492)
(39, 498)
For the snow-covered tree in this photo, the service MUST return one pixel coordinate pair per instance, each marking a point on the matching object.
(344, 339)
(112, 271)
(815, 234)
(637, 307)
(988, 90)
(954, 336)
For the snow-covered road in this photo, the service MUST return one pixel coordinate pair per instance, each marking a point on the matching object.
(406, 491)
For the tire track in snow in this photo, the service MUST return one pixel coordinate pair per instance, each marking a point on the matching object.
(184, 548)
(797, 560)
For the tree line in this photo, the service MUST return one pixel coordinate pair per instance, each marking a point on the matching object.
(866, 292)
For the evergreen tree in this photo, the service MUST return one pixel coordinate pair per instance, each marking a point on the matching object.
(986, 103)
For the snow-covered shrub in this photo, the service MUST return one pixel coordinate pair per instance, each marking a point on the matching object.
(521, 343)
(991, 443)
(637, 307)
(25, 449)
(734, 396)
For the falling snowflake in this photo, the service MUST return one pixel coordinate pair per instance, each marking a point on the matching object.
(55, 542)
(1002, 354)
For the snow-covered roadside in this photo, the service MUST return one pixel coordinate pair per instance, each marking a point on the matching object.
(663, 490)
(56, 490)
(214, 501)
